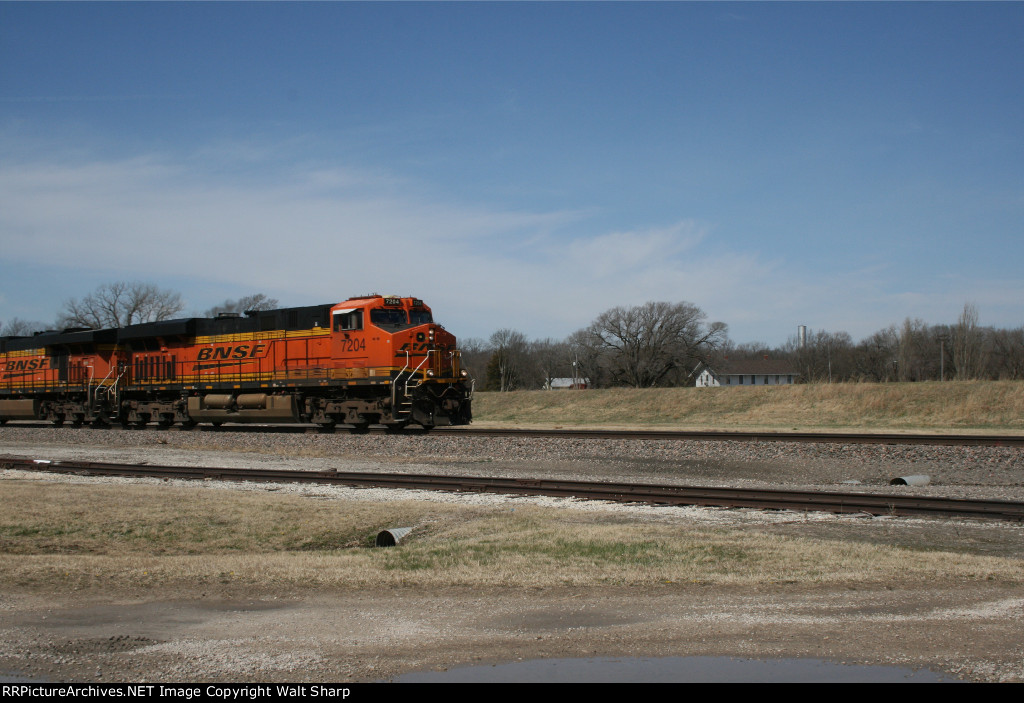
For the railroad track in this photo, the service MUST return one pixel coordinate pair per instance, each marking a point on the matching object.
(963, 440)
(823, 437)
(833, 502)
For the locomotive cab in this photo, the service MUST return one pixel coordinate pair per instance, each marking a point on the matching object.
(394, 341)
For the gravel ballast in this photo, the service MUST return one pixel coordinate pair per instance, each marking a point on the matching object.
(963, 472)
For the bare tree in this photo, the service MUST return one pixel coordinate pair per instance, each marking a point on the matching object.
(644, 345)
(121, 303)
(968, 344)
(550, 359)
(1008, 354)
(508, 356)
(916, 357)
(877, 356)
(588, 358)
(256, 301)
(16, 327)
(475, 355)
(825, 357)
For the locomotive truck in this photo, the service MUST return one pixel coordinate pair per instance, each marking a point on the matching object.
(369, 360)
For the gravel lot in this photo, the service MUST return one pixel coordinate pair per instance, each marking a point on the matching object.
(369, 636)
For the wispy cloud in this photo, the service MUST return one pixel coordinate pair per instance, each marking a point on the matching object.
(235, 220)
(617, 253)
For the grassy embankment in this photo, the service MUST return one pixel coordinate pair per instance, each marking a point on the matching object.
(132, 540)
(988, 406)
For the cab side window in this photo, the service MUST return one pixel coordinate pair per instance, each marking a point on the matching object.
(346, 321)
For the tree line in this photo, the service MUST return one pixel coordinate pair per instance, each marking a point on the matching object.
(911, 351)
(656, 344)
(662, 344)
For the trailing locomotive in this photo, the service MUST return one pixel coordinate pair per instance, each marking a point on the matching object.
(369, 360)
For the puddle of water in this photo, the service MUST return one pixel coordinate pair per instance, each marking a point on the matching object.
(676, 670)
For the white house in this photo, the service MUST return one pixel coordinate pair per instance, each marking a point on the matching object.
(747, 372)
(559, 384)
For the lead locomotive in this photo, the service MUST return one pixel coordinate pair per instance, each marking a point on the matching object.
(369, 360)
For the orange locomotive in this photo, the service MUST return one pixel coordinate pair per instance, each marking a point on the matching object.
(369, 360)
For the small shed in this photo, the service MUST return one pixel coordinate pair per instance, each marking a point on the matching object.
(562, 384)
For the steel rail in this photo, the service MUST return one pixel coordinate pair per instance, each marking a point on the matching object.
(773, 499)
(735, 436)
(963, 440)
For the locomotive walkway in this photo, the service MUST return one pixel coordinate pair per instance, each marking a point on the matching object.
(833, 502)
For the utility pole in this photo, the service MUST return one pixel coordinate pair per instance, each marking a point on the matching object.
(942, 356)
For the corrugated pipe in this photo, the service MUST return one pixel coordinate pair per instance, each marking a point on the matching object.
(920, 480)
(392, 536)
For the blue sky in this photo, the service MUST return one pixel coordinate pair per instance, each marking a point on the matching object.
(523, 165)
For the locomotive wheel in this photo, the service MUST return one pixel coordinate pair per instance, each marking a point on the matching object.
(166, 420)
(57, 419)
(326, 427)
(77, 420)
(188, 424)
(361, 428)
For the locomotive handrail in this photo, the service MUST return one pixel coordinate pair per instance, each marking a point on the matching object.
(394, 387)
(94, 393)
(412, 375)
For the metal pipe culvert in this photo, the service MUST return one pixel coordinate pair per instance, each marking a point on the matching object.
(920, 480)
(392, 536)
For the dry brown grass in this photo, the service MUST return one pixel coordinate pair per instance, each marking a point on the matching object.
(104, 538)
(992, 406)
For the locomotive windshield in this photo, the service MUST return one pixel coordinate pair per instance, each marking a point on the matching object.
(398, 318)
(384, 316)
(420, 317)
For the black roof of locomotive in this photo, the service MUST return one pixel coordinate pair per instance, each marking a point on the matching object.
(302, 318)
(53, 338)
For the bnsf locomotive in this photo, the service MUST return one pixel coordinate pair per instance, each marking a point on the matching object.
(369, 360)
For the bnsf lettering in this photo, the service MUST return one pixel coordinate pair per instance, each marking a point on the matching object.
(240, 351)
(26, 365)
